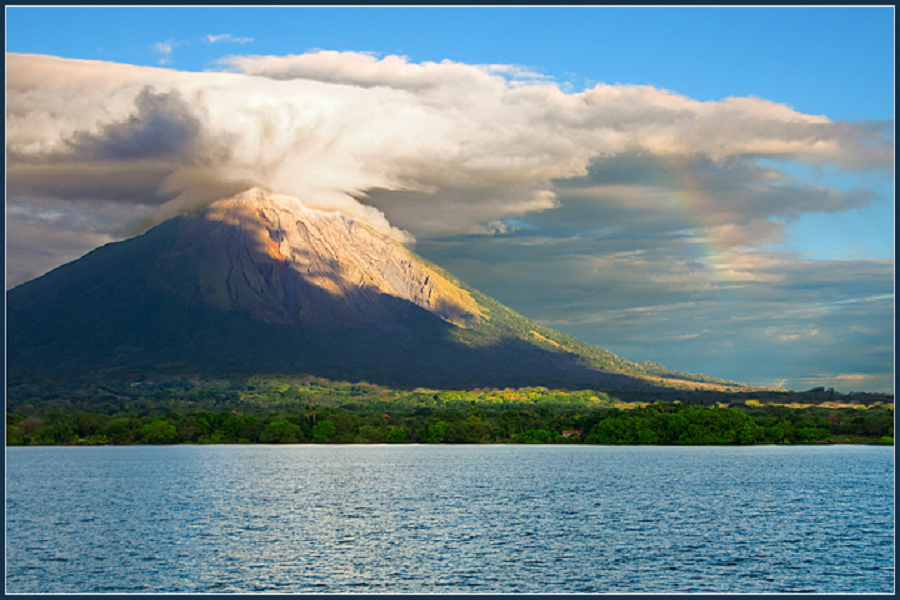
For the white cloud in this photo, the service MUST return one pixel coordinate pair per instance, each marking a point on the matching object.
(165, 49)
(438, 147)
(790, 333)
(227, 38)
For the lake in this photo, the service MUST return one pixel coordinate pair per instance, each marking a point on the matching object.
(450, 519)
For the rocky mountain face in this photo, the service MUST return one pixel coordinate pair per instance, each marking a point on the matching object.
(286, 263)
(260, 283)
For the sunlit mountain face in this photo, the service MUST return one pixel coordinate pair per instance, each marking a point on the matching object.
(285, 263)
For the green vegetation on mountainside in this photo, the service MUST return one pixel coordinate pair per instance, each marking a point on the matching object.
(500, 321)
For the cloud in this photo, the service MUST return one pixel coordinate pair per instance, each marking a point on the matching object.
(165, 49)
(791, 334)
(162, 126)
(439, 148)
(746, 315)
(48, 231)
(728, 204)
(122, 160)
(873, 382)
(366, 69)
(227, 38)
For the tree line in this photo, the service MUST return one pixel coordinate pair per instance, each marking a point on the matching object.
(659, 423)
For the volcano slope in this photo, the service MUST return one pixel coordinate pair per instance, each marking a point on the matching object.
(261, 284)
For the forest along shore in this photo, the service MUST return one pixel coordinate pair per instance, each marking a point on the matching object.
(290, 410)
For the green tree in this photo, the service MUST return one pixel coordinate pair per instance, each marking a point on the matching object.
(535, 436)
(23, 429)
(670, 426)
(14, 435)
(780, 432)
(312, 411)
(97, 438)
(436, 432)
(467, 432)
(397, 435)
(323, 431)
(807, 435)
(188, 431)
(252, 428)
(638, 430)
(231, 426)
(709, 426)
(59, 431)
(122, 430)
(751, 433)
(345, 426)
(292, 394)
(281, 431)
(608, 431)
(369, 434)
(509, 423)
(87, 424)
(159, 431)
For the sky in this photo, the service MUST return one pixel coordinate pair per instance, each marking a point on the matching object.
(707, 188)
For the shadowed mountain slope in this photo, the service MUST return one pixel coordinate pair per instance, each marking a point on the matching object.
(262, 284)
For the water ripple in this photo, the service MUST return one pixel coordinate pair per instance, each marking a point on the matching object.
(445, 519)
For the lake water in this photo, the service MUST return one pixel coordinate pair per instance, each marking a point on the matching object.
(450, 519)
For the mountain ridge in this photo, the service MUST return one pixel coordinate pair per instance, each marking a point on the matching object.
(261, 282)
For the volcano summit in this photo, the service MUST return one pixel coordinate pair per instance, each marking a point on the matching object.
(260, 283)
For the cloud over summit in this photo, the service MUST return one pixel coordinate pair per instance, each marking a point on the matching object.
(417, 149)
(335, 127)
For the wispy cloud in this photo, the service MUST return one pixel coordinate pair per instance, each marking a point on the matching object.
(791, 334)
(165, 49)
(796, 318)
(877, 382)
(227, 38)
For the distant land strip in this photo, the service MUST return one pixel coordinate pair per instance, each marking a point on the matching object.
(294, 410)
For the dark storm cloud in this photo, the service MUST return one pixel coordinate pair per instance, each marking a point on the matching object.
(162, 127)
(126, 160)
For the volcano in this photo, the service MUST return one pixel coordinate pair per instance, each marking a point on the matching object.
(262, 284)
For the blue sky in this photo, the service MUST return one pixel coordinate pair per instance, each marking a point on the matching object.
(835, 62)
(829, 60)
